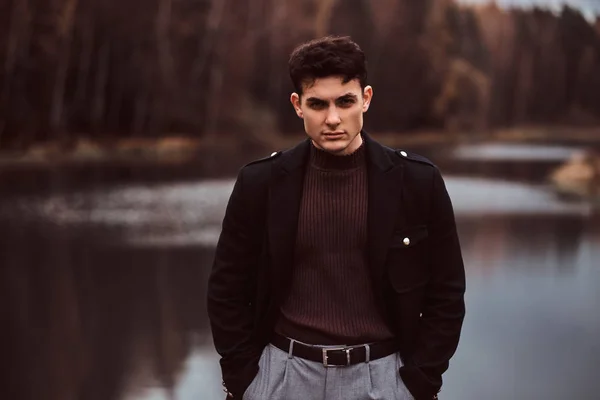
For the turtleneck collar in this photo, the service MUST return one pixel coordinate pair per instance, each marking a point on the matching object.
(326, 161)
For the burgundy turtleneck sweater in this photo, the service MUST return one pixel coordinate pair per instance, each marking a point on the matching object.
(331, 299)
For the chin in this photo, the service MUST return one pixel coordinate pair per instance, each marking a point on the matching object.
(334, 148)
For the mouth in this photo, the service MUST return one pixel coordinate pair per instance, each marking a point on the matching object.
(333, 135)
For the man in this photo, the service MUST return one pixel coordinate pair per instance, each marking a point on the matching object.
(338, 273)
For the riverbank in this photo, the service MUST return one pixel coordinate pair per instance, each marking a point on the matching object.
(182, 149)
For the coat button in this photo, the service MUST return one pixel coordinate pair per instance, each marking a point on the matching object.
(406, 241)
(403, 153)
(273, 154)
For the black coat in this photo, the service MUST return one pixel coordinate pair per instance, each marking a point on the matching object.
(420, 286)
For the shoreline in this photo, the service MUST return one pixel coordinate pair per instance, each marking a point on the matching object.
(182, 149)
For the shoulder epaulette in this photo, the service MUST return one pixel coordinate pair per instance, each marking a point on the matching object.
(273, 155)
(414, 157)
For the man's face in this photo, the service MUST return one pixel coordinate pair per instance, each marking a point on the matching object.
(333, 113)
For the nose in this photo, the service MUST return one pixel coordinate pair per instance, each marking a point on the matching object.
(333, 117)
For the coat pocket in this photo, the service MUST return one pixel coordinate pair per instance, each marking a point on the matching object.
(409, 237)
(407, 259)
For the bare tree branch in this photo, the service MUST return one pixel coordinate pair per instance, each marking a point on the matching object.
(325, 7)
(163, 41)
(208, 40)
(65, 30)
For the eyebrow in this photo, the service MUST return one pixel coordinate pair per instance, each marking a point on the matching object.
(343, 97)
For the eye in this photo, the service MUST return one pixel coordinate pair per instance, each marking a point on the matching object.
(317, 105)
(346, 102)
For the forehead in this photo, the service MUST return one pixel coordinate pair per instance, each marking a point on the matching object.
(331, 88)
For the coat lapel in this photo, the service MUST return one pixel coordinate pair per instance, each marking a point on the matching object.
(385, 194)
(284, 207)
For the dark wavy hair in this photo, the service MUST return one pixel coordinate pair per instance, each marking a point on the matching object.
(327, 56)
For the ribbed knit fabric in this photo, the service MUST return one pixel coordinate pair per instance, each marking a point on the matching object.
(331, 300)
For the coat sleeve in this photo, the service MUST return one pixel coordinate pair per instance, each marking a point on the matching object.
(443, 310)
(231, 290)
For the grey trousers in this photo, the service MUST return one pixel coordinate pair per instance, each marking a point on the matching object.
(289, 378)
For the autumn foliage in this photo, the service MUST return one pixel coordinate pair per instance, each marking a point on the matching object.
(106, 68)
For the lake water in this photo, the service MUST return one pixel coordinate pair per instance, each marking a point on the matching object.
(104, 286)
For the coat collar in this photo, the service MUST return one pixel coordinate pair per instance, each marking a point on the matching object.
(384, 197)
(296, 157)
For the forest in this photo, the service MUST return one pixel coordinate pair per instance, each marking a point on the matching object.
(106, 69)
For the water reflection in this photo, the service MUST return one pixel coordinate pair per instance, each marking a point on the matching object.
(190, 213)
(529, 242)
(515, 152)
(518, 162)
(102, 292)
(90, 321)
(532, 324)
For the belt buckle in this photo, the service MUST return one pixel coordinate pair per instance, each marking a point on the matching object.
(325, 357)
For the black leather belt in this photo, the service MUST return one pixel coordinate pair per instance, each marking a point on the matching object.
(341, 356)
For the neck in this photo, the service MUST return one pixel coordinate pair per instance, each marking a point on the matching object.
(327, 161)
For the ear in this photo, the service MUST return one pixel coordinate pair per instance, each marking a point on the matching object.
(367, 97)
(295, 100)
